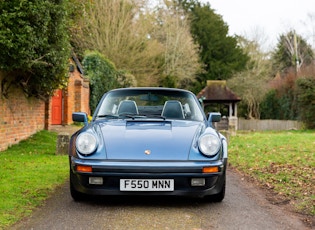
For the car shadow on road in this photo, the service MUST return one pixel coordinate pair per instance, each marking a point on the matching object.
(145, 201)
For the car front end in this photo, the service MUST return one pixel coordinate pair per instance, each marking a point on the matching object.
(147, 155)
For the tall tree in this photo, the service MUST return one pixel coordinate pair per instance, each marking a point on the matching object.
(292, 51)
(252, 83)
(120, 31)
(220, 53)
(77, 23)
(148, 42)
(181, 55)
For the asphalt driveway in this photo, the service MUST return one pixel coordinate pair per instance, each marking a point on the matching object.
(245, 207)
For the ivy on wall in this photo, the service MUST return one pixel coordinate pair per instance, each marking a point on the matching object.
(35, 46)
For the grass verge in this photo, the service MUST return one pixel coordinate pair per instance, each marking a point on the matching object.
(283, 162)
(30, 171)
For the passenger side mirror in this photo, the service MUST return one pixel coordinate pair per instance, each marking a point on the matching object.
(213, 117)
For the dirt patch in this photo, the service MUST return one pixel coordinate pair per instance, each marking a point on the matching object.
(277, 199)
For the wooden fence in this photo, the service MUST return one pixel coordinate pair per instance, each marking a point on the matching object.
(258, 125)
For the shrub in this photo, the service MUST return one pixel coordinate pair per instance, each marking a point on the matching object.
(103, 76)
(305, 94)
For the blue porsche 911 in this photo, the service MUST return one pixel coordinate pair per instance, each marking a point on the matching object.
(148, 141)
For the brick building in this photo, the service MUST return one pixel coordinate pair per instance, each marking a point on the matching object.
(21, 116)
(74, 98)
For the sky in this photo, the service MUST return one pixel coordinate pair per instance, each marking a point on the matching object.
(267, 18)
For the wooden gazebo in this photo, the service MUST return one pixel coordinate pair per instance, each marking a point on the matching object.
(216, 92)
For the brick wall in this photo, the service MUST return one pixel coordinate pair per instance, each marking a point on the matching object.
(20, 117)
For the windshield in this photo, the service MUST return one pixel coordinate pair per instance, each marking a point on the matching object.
(150, 103)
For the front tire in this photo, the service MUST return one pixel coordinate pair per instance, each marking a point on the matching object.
(76, 195)
(219, 196)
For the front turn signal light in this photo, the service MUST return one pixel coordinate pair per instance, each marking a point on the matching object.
(213, 169)
(84, 168)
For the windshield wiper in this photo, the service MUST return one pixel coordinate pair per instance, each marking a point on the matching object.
(129, 115)
(123, 115)
(110, 116)
(143, 116)
(155, 116)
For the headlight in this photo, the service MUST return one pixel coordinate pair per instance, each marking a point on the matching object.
(86, 143)
(209, 144)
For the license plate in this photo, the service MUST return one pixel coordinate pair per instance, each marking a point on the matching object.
(147, 185)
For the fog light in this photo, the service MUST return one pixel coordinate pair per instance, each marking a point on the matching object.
(96, 180)
(198, 182)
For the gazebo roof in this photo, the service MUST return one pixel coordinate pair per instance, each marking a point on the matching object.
(217, 91)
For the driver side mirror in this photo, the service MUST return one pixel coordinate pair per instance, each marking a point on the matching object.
(80, 117)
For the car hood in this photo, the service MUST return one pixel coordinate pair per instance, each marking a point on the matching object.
(149, 140)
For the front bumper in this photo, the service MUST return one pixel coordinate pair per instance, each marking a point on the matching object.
(182, 173)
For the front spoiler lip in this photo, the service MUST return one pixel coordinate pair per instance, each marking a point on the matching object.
(187, 192)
